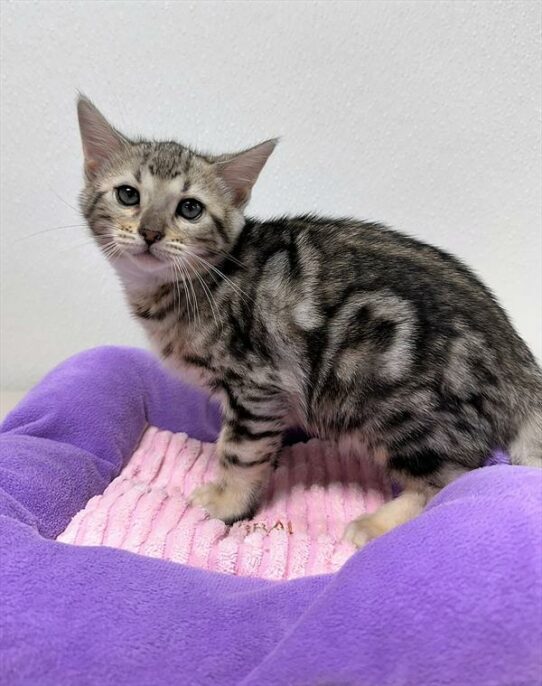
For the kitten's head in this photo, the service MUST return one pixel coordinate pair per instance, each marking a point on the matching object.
(159, 205)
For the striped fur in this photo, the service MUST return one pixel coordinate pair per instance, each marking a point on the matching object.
(349, 329)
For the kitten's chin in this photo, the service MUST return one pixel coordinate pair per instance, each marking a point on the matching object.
(141, 271)
(147, 262)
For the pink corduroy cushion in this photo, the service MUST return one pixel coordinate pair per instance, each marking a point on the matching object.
(312, 495)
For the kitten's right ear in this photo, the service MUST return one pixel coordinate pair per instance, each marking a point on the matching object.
(100, 140)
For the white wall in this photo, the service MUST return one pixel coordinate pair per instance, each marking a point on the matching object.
(424, 115)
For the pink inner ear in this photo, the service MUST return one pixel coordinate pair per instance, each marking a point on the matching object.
(241, 171)
(100, 140)
(91, 167)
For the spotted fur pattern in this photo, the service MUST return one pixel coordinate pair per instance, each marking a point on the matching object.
(346, 328)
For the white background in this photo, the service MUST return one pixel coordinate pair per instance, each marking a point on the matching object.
(425, 115)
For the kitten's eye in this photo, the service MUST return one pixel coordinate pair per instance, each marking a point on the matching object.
(127, 195)
(189, 209)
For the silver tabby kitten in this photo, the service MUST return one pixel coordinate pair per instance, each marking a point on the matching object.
(345, 328)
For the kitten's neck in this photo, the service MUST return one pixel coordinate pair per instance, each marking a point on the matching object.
(191, 299)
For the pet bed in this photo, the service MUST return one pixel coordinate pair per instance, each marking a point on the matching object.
(453, 597)
(312, 495)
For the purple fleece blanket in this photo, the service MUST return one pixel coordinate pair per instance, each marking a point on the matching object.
(454, 597)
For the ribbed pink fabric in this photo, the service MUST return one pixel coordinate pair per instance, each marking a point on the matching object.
(313, 494)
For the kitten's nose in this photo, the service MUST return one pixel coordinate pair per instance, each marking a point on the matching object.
(151, 236)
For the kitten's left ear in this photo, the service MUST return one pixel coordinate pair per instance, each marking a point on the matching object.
(100, 140)
(239, 172)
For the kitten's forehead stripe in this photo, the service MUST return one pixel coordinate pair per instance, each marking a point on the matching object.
(145, 159)
(185, 161)
(169, 160)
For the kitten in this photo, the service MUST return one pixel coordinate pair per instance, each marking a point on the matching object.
(346, 328)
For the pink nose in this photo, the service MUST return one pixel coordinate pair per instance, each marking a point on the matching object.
(151, 236)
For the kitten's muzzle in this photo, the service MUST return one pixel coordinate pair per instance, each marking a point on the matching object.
(150, 236)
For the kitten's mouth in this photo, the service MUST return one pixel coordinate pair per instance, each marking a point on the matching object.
(147, 260)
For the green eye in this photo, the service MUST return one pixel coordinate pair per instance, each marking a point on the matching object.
(127, 195)
(190, 209)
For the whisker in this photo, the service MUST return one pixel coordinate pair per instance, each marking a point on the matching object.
(86, 244)
(54, 228)
(111, 249)
(227, 256)
(64, 201)
(92, 241)
(211, 299)
(176, 290)
(206, 292)
(191, 286)
(178, 278)
(221, 274)
(178, 287)
(189, 307)
(114, 252)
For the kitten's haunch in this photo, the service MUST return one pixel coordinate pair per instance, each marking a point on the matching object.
(346, 328)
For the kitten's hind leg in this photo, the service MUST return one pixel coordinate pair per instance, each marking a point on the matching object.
(423, 472)
(526, 449)
(398, 511)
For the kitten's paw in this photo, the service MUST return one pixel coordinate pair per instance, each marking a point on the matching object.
(208, 497)
(221, 502)
(362, 530)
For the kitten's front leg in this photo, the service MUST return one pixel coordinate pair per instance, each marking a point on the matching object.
(247, 446)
